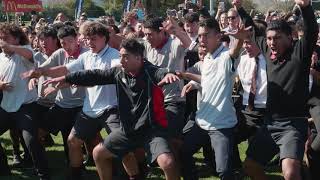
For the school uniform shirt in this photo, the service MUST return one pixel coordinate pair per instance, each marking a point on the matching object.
(170, 56)
(245, 70)
(10, 69)
(216, 110)
(67, 97)
(98, 98)
(47, 101)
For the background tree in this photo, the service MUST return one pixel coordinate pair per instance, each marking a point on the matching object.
(68, 8)
(114, 7)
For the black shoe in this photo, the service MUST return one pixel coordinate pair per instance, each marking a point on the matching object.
(5, 171)
(74, 173)
(17, 161)
(27, 161)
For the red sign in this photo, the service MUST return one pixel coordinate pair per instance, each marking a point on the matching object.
(22, 5)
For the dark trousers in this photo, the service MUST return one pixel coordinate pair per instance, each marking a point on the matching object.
(4, 167)
(222, 142)
(206, 148)
(23, 120)
(62, 119)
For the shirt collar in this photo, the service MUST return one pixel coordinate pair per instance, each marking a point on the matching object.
(102, 52)
(75, 54)
(217, 52)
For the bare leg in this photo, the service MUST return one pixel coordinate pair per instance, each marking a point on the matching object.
(75, 152)
(291, 169)
(176, 145)
(254, 170)
(103, 159)
(167, 164)
(130, 164)
(89, 146)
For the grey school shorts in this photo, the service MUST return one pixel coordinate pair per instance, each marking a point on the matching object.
(285, 136)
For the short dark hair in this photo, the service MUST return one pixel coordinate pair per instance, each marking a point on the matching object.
(260, 27)
(191, 17)
(47, 31)
(133, 46)
(15, 31)
(203, 12)
(153, 23)
(67, 31)
(94, 28)
(57, 25)
(210, 23)
(280, 25)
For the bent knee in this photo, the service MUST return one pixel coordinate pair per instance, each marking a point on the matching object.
(101, 153)
(166, 161)
(291, 169)
(73, 141)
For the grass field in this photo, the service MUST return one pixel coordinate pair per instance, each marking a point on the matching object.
(58, 167)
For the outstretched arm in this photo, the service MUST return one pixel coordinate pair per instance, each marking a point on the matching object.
(189, 76)
(92, 77)
(51, 72)
(309, 39)
(20, 50)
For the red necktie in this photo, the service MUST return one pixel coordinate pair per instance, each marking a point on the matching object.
(253, 88)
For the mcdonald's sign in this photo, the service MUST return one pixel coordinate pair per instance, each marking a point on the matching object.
(21, 5)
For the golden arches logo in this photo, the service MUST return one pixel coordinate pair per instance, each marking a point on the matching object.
(11, 6)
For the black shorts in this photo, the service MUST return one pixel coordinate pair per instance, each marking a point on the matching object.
(86, 128)
(61, 119)
(155, 143)
(176, 119)
(41, 116)
(286, 136)
(248, 123)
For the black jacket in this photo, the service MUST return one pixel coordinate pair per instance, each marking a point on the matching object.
(140, 100)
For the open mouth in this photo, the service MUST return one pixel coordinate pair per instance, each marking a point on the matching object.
(274, 51)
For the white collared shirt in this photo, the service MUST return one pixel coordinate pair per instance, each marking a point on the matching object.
(170, 56)
(216, 110)
(10, 70)
(245, 71)
(98, 98)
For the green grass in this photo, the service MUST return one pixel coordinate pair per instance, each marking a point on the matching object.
(58, 167)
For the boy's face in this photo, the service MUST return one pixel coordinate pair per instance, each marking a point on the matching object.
(278, 42)
(208, 38)
(9, 39)
(191, 28)
(95, 42)
(48, 44)
(153, 37)
(251, 48)
(69, 44)
(202, 52)
(129, 61)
